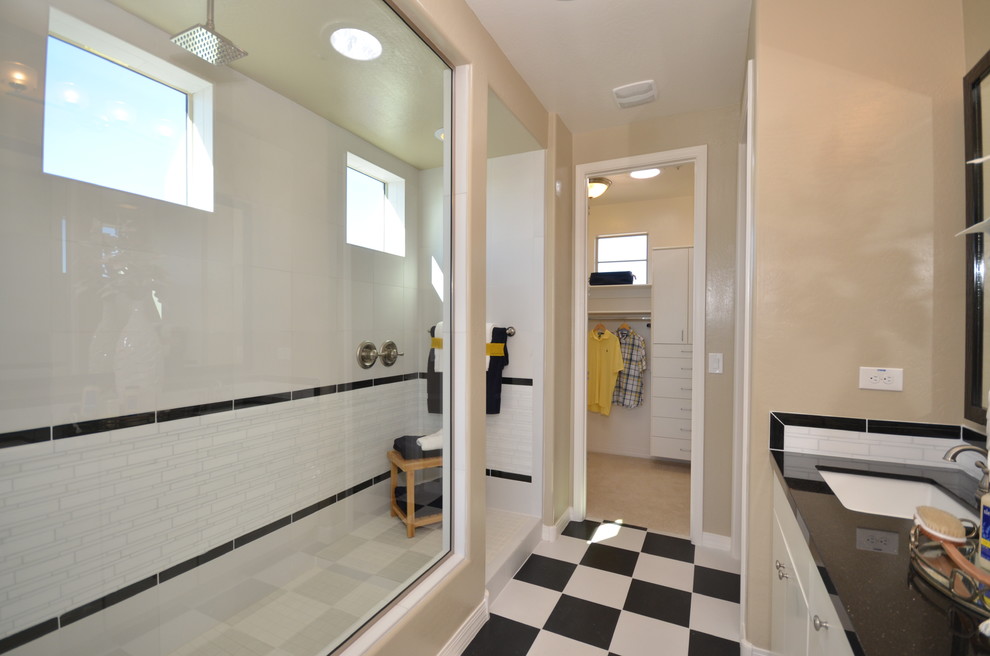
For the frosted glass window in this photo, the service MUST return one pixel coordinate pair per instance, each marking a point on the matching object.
(623, 253)
(375, 207)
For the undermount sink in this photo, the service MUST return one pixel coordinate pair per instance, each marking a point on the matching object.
(892, 497)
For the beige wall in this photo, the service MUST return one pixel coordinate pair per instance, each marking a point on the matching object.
(667, 221)
(976, 25)
(719, 130)
(859, 191)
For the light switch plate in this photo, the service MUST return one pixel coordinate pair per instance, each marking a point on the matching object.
(714, 363)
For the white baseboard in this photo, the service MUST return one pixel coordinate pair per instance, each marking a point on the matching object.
(551, 533)
(715, 541)
(467, 631)
(746, 648)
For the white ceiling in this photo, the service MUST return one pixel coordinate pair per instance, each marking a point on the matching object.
(572, 53)
(674, 182)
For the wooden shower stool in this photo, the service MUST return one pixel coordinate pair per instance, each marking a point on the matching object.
(410, 467)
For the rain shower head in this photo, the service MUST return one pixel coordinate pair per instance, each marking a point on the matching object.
(206, 43)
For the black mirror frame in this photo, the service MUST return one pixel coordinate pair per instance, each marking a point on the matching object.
(975, 276)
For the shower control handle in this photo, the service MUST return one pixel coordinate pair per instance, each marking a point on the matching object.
(366, 355)
(389, 353)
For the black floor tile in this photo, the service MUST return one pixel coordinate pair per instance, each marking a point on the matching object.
(501, 636)
(703, 644)
(716, 583)
(547, 572)
(669, 547)
(581, 530)
(659, 602)
(611, 559)
(584, 621)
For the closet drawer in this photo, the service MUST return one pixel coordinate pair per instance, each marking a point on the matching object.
(665, 447)
(667, 407)
(668, 427)
(677, 388)
(672, 350)
(672, 367)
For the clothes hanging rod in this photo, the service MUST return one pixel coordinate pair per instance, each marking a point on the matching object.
(618, 314)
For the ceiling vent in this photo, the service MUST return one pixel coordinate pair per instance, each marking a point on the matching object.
(637, 93)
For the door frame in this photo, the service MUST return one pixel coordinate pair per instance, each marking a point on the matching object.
(697, 155)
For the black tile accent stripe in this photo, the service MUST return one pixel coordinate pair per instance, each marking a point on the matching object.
(102, 425)
(29, 436)
(80, 612)
(778, 420)
(518, 381)
(495, 473)
(63, 431)
(264, 399)
(194, 411)
(357, 384)
(27, 635)
(913, 429)
(821, 421)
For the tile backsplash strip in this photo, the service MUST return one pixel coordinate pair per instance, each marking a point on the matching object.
(869, 439)
(102, 513)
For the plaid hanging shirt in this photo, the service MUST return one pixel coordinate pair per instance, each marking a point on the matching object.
(629, 385)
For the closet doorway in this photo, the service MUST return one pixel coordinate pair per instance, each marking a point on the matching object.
(642, 462)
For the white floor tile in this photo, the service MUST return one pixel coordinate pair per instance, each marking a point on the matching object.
(552, 644)
(616, 535)
(564, 548)
(715, 616)
(716, 559)
(525, 602)
(664, 571)
(638, 635)
(599, 586)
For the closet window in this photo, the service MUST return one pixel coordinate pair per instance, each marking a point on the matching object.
(623, 253)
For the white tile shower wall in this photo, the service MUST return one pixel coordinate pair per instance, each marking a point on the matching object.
(510, 433)
(868, 446)
(88, 515)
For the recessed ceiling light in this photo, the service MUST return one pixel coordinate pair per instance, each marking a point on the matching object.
(356, 44)
(643, 174)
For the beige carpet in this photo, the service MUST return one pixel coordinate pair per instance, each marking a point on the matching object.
(654, 494)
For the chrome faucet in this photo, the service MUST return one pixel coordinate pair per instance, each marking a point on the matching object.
(953, 453)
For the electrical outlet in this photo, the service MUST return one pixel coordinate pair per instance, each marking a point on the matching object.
(888, 379)
(873, 539)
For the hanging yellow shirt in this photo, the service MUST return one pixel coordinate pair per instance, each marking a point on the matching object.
(604, 365)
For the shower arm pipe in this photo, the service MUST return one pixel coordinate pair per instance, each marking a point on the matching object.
(209, 16)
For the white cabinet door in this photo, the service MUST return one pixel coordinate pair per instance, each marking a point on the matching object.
(826, 636)
(789, 627)
(671, 281)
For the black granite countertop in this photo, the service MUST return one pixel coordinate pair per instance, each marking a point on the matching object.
(888, 610)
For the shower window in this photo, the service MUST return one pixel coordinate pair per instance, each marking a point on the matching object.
(376, 207)
(126, 126)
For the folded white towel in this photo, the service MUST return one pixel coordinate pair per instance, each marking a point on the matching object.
(431, 442)
(488, 340)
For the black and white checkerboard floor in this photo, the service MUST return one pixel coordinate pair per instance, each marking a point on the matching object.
(610, 589)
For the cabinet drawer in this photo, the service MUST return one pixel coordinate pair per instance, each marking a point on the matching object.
(667, 427)
(672, 350)
(676, 388)
(666, 447)
(672, 367)
(667, 407)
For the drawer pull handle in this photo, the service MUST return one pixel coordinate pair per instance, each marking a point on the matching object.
(779, 565)
(685, 409)
(685, 389)
(686, 450)
(819, 624)
(781, 575)
(684, 430)
(685, 368)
